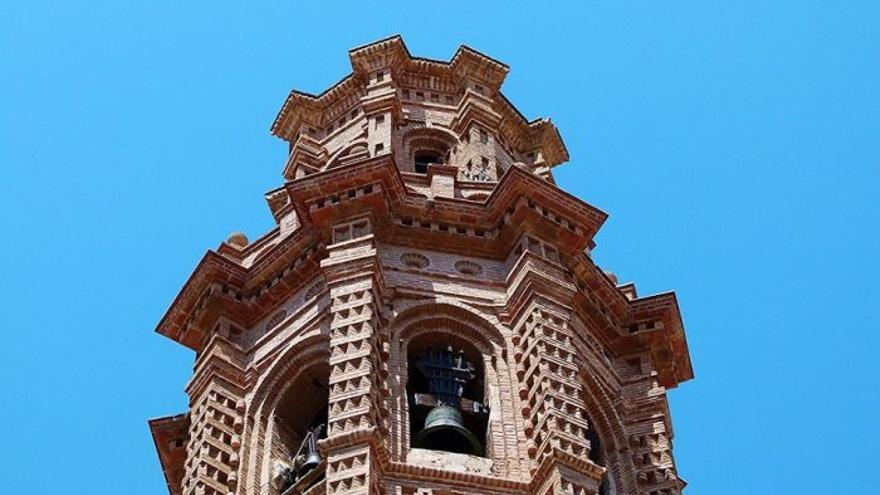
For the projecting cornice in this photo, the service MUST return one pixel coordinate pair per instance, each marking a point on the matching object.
(375, 186)
(221, 286)
(170, 435)
(657, 325)
(522, 203)
(222, 282)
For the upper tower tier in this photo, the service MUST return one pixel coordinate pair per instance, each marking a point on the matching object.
(423, 155)
(421, 112)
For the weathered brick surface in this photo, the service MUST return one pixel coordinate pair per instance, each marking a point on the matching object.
(372, 257)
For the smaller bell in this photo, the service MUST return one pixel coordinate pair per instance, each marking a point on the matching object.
(312, 460)
(444, 430)
(312, 455)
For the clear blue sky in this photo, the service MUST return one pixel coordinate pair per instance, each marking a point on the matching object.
(735, 145)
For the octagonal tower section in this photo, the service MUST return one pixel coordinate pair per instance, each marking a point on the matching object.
(425, 317)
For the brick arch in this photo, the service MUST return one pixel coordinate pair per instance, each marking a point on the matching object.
(333, 160)
(610, 429)
(439, 133)
(604, 414)
(479, 324)
(416, 138)
(483, 332)
(285, 366)
(269, 390)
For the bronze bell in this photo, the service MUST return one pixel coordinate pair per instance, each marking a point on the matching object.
(312, 460)
(444, 430)
(312, 457)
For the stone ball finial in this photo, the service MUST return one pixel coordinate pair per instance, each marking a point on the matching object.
(612, 276)
(237, 239)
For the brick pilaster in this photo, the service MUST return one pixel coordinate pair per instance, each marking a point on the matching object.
(649, 434)
(216, 420)
(357, 382)
(552, 400)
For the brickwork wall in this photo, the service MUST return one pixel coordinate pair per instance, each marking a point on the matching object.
(357, 381)
(548, 378)
(217, 406)
(379, 263)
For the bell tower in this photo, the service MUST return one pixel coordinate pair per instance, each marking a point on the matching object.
(426, 316)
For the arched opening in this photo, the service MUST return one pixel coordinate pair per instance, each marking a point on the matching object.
(426, 145)
(423, 158)
(597, 455)
(446, 394)
(299, 421)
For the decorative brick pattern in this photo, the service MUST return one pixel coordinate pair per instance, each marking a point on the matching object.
(419, 211)
(650, 443)
(357, 375)
(213, 457)
(548, 373)
(216, 421)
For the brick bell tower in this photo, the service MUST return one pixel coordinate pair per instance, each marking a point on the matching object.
(425, 318)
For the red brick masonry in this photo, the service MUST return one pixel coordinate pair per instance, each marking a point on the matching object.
(373, 250)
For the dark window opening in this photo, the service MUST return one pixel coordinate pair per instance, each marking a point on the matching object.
(423, 158)
(445, 393)
(300, 421)
(597, 455)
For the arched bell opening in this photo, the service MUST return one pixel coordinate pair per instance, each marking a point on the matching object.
(424, 146)
(300, 420)
(597, 455)
(446, 395)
